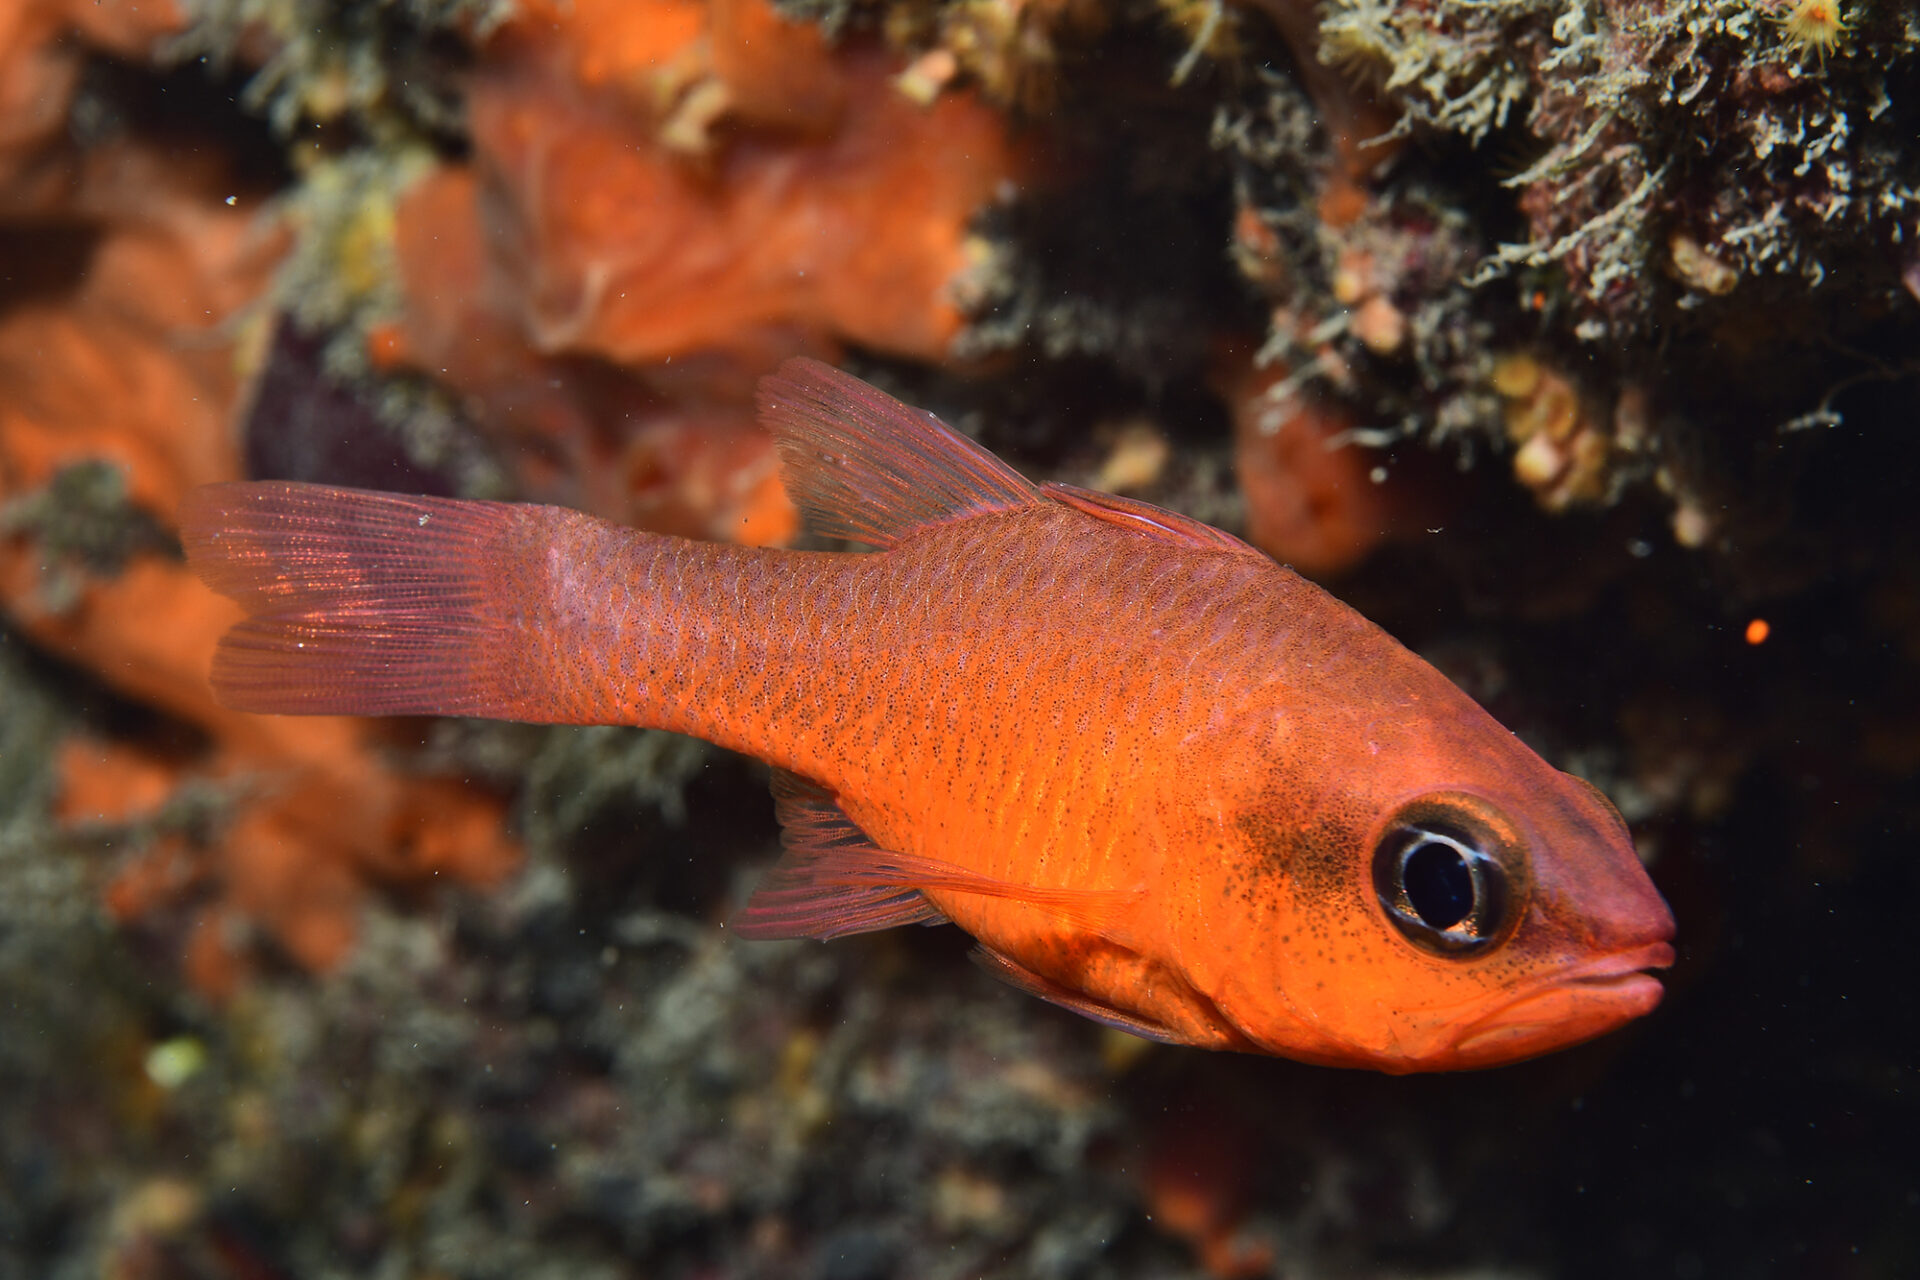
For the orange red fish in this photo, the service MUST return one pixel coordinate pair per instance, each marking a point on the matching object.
(1162, 780)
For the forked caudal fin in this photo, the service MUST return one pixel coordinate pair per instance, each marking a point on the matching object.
(367, 603)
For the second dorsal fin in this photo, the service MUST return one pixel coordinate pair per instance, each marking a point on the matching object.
(861, 465)
(1151, 521)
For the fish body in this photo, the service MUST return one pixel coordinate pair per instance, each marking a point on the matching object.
(1161, 779)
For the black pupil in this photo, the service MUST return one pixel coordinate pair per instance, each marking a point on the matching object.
(1439, 884)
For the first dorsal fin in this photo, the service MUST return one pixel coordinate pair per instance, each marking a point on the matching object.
(861, 465)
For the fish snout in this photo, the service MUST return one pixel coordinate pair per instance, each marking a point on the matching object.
(1598, 928)
(1593, 877)
(1627, 917)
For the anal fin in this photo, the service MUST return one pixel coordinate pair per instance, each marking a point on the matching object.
(807, 893)
(834, 880)
(1017, 975)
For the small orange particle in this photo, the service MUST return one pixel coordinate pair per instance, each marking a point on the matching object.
(1758, 630)
(386, 346)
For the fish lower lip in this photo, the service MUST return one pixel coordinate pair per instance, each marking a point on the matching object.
(1636, 986)
(1610, 990)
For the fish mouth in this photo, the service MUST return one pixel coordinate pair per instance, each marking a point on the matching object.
(1573, 1005)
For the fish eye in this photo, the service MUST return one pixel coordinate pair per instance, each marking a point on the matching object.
(1443, 878)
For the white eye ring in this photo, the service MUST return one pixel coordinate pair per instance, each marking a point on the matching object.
(1439, 888)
